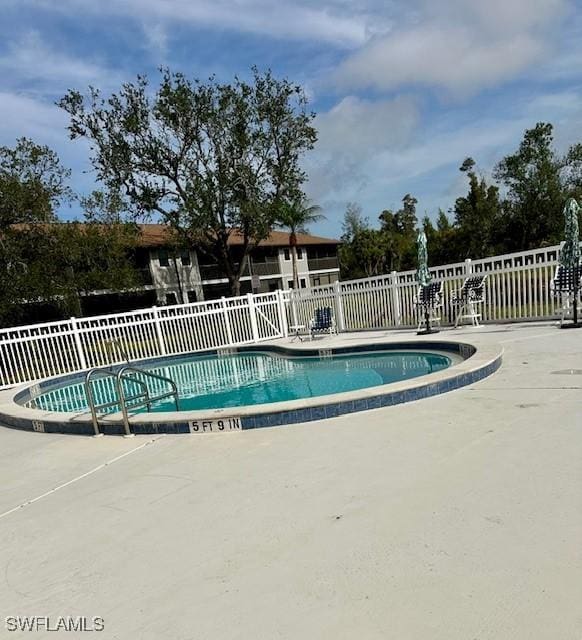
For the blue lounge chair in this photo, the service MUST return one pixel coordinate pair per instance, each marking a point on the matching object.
(322, 322)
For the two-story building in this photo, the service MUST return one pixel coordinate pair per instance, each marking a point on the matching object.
(191, 275)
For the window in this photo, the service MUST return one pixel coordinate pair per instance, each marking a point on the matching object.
(299, 253)
(185, 257)
(163, 257)
(286, 254)
(192, 296)
(302, 283)
(273, 286)
(171, 298)
(316, 281)
(290, 284)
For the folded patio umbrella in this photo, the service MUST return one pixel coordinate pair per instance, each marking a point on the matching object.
(570, 252)
(422, 273)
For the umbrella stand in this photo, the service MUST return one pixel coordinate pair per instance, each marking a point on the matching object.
(428, 329)
(575, 324)
(429, 293)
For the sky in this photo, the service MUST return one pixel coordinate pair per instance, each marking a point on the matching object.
(403, 90)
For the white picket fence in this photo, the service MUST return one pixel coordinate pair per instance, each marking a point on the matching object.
(517, 288)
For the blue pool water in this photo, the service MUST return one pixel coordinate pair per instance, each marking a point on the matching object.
(249, 378)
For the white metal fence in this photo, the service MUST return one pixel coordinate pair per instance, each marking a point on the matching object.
(517, 288)
(39, 351)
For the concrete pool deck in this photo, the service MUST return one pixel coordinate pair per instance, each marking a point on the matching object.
(455, 516)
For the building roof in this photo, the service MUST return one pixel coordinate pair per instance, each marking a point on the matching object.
(157, 235)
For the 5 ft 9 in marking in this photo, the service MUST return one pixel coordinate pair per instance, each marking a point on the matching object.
(211, 426)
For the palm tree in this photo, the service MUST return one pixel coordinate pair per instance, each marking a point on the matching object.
(295, 216)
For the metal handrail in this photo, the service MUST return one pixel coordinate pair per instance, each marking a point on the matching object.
(143, 399)
(91, 398)
(122, 375)
(145, 392)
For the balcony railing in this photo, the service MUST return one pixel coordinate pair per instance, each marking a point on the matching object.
(264, 268)
(315, 264)
(215, 272)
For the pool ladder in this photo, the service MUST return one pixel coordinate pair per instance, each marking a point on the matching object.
(141, 399)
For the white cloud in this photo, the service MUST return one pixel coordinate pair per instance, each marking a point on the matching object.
(157, 37)
(459, 45)
(495, 16)
(350, 134)
(481, 139)
(22, 115)
(374, 153)
(425, 161)
(357, 126)
(432, 56)
(32, 62)
(334, 21)
(27, 116)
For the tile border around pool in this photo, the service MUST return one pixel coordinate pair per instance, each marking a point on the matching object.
(471, 370)
(340, 408)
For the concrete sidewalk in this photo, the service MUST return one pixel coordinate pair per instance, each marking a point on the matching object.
(457, 516)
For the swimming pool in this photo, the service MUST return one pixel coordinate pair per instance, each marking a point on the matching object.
(243, 388)
(251, 378)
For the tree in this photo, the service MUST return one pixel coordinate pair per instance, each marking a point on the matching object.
(572, 172)
(33, 183)
(354, 228)
(393, 241)
(400, 234)
(16, 279)
(477, 215)
(535, 195)
(97, 254)
(353, 222)
(432, 237)
(53, 264)
(295, 216)
(212, 159)
(88, 257)
(369, 248)
(406, 217)
(104, 207)
(446, 247)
